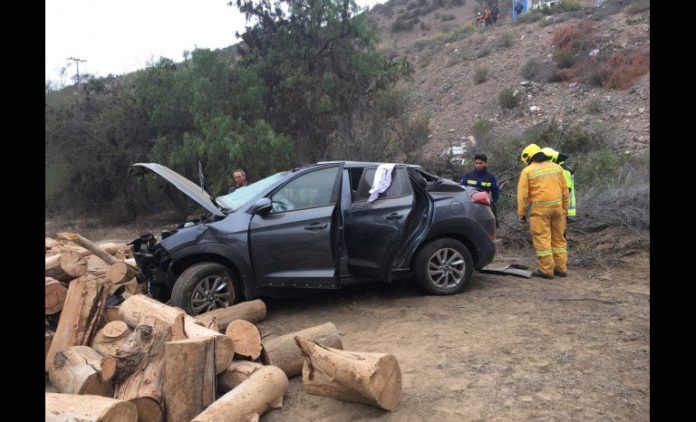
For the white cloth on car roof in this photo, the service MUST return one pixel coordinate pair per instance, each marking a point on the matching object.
(382, 180)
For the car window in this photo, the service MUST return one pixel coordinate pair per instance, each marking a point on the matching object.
(233, 201)
(400, 185)
(310, 190)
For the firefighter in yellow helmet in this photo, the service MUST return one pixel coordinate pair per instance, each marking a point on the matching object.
(543, 189)
(560, 159)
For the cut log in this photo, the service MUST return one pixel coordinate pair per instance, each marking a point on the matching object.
(72, 407)
(189, 384)
(66, 266)
(87, 244)
(283, 352)
(118, 250)
(140, 366)
(111, 337)
(138, 306)
(370, 378)
(253, 311)
(109, 366)
(49, 338)
(77, 370)
(54, 295)
(246, 338)
(112, 314)
(261, 392)
(82, 313)
(120, 272)
(235, 374)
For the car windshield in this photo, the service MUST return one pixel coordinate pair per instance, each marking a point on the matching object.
(232, 201)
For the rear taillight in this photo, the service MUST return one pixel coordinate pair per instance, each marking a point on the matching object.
(481, 198)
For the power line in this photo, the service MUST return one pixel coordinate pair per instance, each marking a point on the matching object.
(77, 65)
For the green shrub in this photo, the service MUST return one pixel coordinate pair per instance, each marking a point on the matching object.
(530, 17)
(401, 25)
(483, 51)
(481, 129)
(570, 5)
(638, 6)
(564, 59)
(480, 75)
(506, 40)
(536, 70)
(593, 106)
(508, 99)
(597, 168)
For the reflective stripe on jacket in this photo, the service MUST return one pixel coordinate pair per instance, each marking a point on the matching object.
(541, 184)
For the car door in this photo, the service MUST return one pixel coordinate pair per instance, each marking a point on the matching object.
(294, 244)
(374, 231)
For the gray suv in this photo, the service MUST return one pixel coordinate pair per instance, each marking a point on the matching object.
(315, 228)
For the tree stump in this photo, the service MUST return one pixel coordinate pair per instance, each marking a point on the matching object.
(261, 392)
(370, 378)
(283, 352)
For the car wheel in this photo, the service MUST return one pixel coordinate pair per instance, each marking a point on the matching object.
(443, 267)
(203, 287)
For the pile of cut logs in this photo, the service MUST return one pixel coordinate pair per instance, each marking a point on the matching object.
(146, 361)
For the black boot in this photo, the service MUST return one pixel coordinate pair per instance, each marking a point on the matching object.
(538, 273)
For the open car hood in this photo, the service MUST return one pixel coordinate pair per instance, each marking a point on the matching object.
(189, 188)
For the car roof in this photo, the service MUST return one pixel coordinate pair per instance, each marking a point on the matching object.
(356, 164)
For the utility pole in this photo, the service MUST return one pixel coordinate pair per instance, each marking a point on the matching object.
(77, 64)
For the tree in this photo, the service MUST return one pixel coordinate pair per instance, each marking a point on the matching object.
(318, 62)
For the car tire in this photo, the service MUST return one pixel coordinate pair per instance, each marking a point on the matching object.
(443, 267)
(194, 290)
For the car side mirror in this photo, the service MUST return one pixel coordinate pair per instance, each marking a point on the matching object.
(262, 206)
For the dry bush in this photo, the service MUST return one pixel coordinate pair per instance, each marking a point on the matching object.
(626, 69)
(536, 70)
(508, 99)
(480, 75)
(618, 71)
(575, 38)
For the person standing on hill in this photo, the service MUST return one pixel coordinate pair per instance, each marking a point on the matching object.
(543, 190)
(481, 178)
(487, 17)
(494, 13)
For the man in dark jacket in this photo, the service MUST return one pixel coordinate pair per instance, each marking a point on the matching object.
(482, 179)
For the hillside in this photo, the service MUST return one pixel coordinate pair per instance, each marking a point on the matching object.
(446, 51)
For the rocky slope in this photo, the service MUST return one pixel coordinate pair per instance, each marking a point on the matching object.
(446, 51)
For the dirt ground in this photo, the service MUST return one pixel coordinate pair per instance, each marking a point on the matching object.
(507, 348)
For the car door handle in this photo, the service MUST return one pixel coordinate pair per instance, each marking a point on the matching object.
(394, 216)
(316, 226)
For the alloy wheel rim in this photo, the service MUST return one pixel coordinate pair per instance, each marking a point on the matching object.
(446, 268)
(212, 292)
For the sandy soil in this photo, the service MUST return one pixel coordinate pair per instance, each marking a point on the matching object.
(507, 348)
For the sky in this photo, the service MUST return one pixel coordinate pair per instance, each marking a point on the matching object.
(126, 35)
